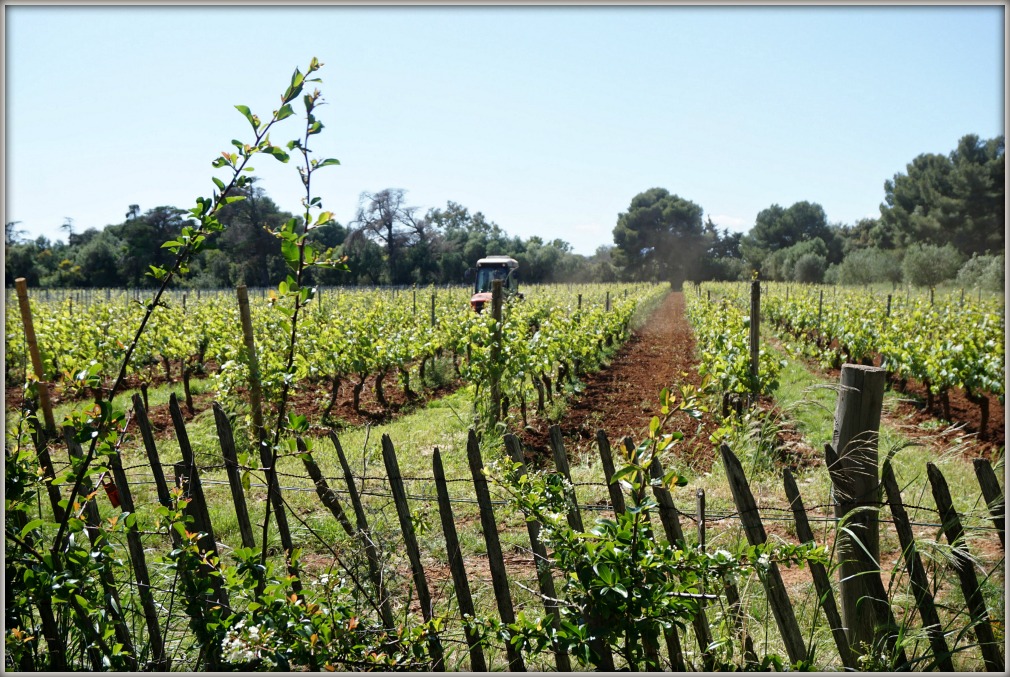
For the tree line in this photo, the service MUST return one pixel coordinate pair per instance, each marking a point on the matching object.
(942, 218)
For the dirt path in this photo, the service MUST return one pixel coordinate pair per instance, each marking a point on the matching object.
(623, 397)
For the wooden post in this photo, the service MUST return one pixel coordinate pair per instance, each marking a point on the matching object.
(608, 301)
(755, 333)
(455, 556)
(432, 309)
(413, 551)
(820, 308)
(580, 302)
(97, 537)
(674, 536)
(931, 296)
(496, 352)
(139, 562)
(993, 496)
(888, 305)
(190, 480)
(371, 552)
(255, 394)
(499, 578)
(542, 562)
(822, 583)
(856, 498)
(326, 495)
(616, 495)
(782, 608)
(33, 350)
(227, 440)
(147, 434)
(992, 653)
(916, 572)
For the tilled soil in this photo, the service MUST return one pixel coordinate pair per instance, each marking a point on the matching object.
(624, 396)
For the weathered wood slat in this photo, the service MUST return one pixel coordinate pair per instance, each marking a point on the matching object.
(455, 557)
(952, 529)
(782, 608)
(499, 577)
(93, 521)
(616, 495)
(230, 455)
(138, 560)
(916, 572)
(675, 535)
(147, 434)
(413, 551)
(821, 581)
(198, 504)
(326, 495)
(371, 552)
(600, 647)
(993, 496)
(542, 562)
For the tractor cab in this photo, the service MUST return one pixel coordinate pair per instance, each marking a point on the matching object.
(494, 268)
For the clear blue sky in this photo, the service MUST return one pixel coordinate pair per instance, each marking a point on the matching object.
(548, 120)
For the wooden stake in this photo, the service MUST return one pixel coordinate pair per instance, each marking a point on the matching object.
(993, 496)
(916, 572)
(33, 350)
(499, 578)
(455, 556)
(228, 452)
(413, 551)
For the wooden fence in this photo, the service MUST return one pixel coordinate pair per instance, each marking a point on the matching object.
(342, 497)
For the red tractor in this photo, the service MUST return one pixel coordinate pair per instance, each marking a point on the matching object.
(494, 268)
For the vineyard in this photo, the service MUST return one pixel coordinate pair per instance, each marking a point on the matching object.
(308, 478)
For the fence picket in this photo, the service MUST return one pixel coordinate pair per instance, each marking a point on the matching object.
(606, 456)
(542, 562)
(326, 495)
(954, 532)
(821, 581)
(499, 578)
(455, 557)
(993, 496)
(413, 551)
(371, 552)
(916, 572)
(782, 608)
(596, 626)
(227, 440)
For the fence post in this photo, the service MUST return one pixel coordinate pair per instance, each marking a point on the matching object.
(820, 576)
(432, 309)
(541, 561)
(888, 305)
(600, 647)
(455, 556)
(916, 573)
(782, 608)
(755, 333)
(993, 495)
(856, 497)
(33, 350)
(323, 491)
(371, 552)
(499, 578)
(255, 396)
(616, 495)
(413, 551)
(227, 440)
(954, 532)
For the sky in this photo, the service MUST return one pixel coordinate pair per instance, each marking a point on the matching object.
(547, 120)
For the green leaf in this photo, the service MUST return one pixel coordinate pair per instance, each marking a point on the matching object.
(286, 111)
(329, 161)
(244, 110)
(278, 153)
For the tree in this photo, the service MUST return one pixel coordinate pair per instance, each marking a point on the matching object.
(385, 217)
(779, 228)
(660, 237)
(957, 199)
(254, 253)
(140, 240)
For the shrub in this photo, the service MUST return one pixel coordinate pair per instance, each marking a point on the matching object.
(810, 268)
(926, 265)
(866, 266)
(986, 271)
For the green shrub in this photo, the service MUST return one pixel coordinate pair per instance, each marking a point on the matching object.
(867, 266)
(926, 265)
(986, 271)
(810, 268)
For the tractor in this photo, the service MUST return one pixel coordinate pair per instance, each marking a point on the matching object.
(494, 268)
